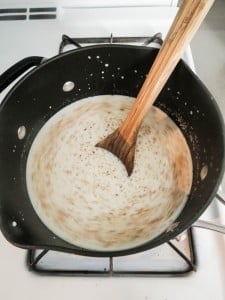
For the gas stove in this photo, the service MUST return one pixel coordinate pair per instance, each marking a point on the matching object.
(184, 267)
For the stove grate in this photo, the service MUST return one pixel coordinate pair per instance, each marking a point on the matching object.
(49, 262)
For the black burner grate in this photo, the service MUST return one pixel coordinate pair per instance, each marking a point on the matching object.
(47, 262)
(66, 40)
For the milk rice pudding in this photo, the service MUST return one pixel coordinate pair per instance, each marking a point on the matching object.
(83, 194)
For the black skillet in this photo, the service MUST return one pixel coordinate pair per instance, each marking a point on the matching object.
(39, 95)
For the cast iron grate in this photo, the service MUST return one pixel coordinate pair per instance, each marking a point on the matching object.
(77, 42)
(169, 259)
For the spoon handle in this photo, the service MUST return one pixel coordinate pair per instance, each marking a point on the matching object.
(186, 23)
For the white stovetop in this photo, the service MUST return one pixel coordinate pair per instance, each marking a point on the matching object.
(25, 38)
(207, 283)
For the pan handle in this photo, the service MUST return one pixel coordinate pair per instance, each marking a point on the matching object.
(18, 69)
(210, 225)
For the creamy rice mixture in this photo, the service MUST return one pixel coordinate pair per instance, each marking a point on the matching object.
(83, 194)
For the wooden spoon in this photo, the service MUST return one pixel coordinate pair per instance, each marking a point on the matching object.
(187, 21)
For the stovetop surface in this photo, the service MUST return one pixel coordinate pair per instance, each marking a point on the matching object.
(207, 283)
